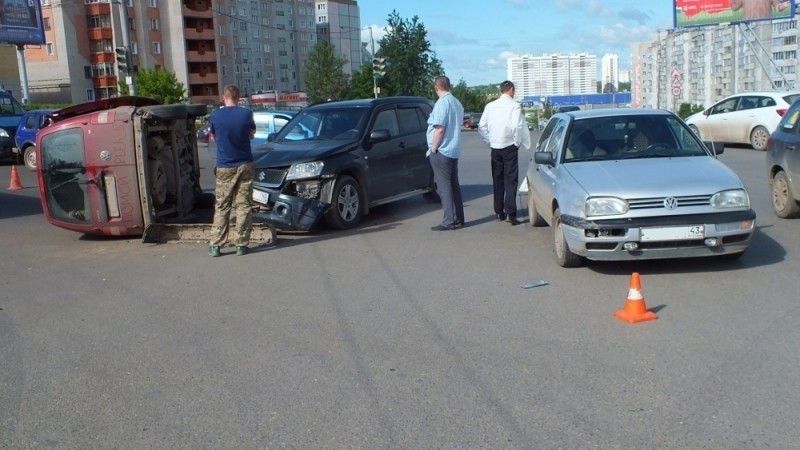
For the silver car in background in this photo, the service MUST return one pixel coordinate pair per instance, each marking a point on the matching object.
(628, 184)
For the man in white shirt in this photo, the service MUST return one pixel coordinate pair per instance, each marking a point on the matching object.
(504, 128)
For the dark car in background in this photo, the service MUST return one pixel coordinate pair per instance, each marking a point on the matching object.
(11, 112)
(337, 160)
(25, 138)
(471, 121)
(783, 164)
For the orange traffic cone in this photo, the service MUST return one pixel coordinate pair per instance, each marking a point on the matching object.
(15, 184)
(635, 309)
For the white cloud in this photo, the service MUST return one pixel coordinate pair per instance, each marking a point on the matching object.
(520, 3)
(378, 32)
(567, 4)
(504, 55)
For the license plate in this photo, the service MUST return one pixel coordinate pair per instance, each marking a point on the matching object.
(673, 233)
(260, 196)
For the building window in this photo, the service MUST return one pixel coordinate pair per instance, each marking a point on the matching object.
(154, 24)
(222, 50)
(87, 71)
(90, 94)
(134, 48)
(152, 3)
(49, 48)
(156, 48)
(131, 24)
(46, 23)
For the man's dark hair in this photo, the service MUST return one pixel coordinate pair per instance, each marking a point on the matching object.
(443, 83)
(506, 86)
(232, 92)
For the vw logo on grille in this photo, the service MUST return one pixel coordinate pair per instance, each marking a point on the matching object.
(670, 203)
(105, 155)
(261, 176)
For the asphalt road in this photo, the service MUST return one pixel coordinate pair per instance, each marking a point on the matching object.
(393, 336)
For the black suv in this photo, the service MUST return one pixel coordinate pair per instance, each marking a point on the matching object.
(336, 160)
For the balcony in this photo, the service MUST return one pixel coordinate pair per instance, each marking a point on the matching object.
(209, 78)
(97, 34)
(202, 34)
(204, 99)
(98, 58)
(105, 81)
(204, 14)
(96, 9)
(196, 56)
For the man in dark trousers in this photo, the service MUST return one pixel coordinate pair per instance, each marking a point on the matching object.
(504, 128)
(444, 149)
(232, 128)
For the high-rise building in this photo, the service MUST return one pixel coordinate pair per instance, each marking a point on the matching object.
(703, 65)
(259, 46)
(553, 74)
(609, 70)
(339, 22)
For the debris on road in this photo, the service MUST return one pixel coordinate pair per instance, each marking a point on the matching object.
(534, 284)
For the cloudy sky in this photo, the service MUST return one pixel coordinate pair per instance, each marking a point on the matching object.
(474, 37)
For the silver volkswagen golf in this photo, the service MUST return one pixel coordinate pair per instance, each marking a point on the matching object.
(628, 184)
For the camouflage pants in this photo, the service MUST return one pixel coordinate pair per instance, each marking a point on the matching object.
(234, 190)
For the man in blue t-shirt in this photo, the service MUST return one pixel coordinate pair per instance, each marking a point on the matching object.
(232, 128)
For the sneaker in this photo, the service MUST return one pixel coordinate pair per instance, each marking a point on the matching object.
(241, 250)
(214, 251)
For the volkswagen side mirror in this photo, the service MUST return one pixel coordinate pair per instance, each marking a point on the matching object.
(544, 158)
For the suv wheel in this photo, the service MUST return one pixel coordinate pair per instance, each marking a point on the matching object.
(29, 157)
(759, 137)
(783, 203)
(564, 257)
(347, 206)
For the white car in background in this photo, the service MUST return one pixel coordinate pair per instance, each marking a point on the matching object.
(748, 118)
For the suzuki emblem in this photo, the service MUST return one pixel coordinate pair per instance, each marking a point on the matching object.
(261, 176)
(670, 203)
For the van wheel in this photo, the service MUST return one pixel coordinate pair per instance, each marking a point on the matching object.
(759, 137)
(564, 257)
(783, 203)
(347, 206)
(29, 157)
(534, 217)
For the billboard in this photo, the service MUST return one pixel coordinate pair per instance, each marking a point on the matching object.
(691, 13)
(21, 22)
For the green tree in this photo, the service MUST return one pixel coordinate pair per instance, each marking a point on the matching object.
(411, 65)
(687, 109)
(160, 85)
(624, 86)
(361, 83)
(472, 99)
(325, 78)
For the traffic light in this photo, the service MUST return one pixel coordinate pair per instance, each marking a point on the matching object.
(123, 62)
(379, 66)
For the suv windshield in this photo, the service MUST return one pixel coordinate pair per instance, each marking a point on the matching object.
(10, 107)
(631, 137)
(324, 124)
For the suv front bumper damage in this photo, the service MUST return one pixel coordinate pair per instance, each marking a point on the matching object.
(605, 240)
(289, 212)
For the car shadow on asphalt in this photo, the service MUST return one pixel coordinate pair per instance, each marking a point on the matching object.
(294, 238)
(19, 205)
(763, 251)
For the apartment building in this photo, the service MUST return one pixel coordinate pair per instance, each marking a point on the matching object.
(704, 65)
(339, 22)
(257, 45)
(553, 74)
(609, 72)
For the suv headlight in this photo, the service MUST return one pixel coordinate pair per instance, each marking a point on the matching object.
(735, 198)
(3, 133)
(305, 170)
(605, 206)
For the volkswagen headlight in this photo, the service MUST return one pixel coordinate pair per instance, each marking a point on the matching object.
(605, 206)
(305, 170)
(735, 198)
(3, 133)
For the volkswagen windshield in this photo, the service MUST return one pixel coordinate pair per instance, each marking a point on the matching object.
(631, 137)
